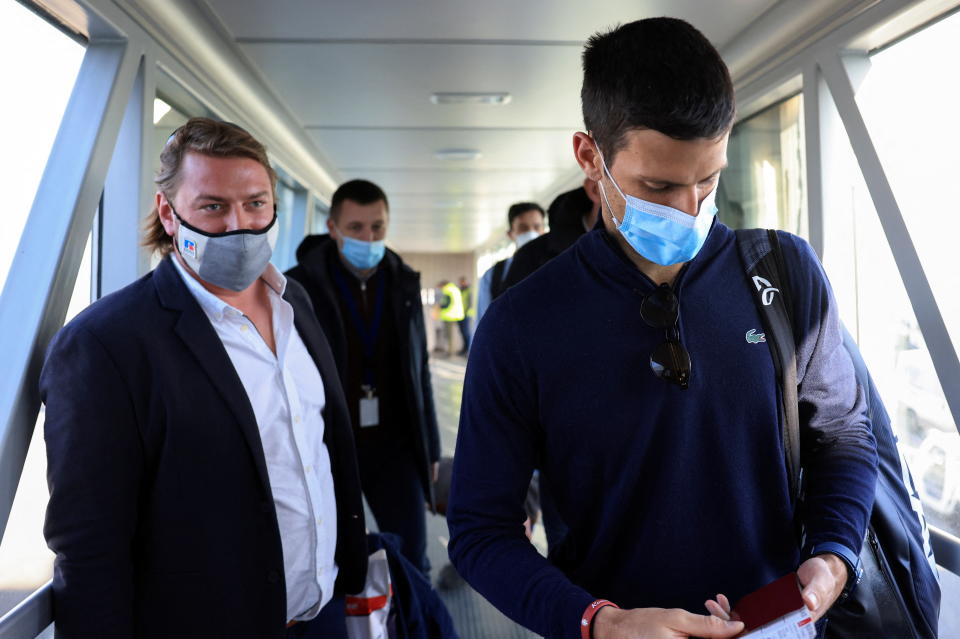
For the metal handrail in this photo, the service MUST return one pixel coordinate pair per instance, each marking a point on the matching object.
(32, 616)
(946, 549)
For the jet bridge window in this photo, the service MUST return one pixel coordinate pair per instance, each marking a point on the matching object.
(40, 65)
(909, 108)
(763, 186)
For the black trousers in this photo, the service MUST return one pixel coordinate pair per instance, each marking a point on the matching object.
(329, 624)
(464, 325)
(391, 484)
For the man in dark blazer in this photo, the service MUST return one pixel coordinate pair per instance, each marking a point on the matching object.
(368, 302)
(202, 473)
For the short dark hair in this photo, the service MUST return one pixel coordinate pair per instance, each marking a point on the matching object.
(518, 209)
(359, 191)
(660, 74)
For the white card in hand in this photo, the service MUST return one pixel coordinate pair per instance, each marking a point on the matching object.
(796, 625)
(369, 411)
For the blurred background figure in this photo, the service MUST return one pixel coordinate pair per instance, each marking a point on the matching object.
(469, 311)
(450, 301)
(524, 224)
(571, 214)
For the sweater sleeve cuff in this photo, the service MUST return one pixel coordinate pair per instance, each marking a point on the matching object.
(848, 556)
(573, 608)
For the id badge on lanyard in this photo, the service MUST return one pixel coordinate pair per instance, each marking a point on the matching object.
(369, 402)
(369, 407)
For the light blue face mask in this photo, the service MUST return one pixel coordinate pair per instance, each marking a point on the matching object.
(660, 233)
(362, 255)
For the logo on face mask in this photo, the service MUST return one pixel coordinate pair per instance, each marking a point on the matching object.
(190, 248)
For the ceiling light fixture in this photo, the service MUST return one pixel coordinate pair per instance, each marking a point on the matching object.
(494, 99)
(458, 154)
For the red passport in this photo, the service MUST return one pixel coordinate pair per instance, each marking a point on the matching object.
(768, 604)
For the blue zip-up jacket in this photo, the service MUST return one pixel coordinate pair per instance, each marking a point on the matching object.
(671, 496)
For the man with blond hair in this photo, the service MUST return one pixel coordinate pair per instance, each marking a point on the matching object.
(202, 475)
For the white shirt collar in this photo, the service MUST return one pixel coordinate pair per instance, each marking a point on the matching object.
(215, 307)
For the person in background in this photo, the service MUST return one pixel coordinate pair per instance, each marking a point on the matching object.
(368, 302)
(571, 214)
(620, 369)
(202, 475)
(469, 312)
(524, 224)
(450, 301)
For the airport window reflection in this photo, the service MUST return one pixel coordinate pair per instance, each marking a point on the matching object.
(31, 49)
(875, 308)
(166, 120)
(318, 224)
(763, 186)
(283, 254)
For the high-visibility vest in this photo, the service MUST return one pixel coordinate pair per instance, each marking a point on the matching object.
(453, 311)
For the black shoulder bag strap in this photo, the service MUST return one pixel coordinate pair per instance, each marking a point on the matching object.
(763, 263)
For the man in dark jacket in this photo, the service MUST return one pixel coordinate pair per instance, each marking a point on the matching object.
(202, 476)
(368, 302)
(571, 214)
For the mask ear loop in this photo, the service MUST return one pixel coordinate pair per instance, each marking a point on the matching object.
(603, 191)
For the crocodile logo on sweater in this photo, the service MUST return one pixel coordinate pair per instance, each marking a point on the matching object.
(753, 337)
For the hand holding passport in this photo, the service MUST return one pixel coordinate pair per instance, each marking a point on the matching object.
(776, 611)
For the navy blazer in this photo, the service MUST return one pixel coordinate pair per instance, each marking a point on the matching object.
(161, 513)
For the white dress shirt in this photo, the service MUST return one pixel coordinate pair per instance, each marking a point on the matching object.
(286, 393)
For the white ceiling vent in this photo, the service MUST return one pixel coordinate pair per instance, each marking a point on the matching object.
(494, 99)
(458, 154)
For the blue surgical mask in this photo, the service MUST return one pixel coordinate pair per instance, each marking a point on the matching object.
(362, 255)
(660, 233)
(524, 238)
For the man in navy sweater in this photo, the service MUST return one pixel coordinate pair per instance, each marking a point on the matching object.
(625, 370)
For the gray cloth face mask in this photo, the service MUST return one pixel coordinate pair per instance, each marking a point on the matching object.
(233, 259)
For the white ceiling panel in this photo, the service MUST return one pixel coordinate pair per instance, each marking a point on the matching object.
(516, 148)
(358, 77)
(495, 204)
(468, 184)
(537, 20)
(390, 84)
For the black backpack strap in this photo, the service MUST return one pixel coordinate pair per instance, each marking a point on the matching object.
(762, 259)
(497, 279)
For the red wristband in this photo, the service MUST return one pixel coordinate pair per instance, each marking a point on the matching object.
(587, 620)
